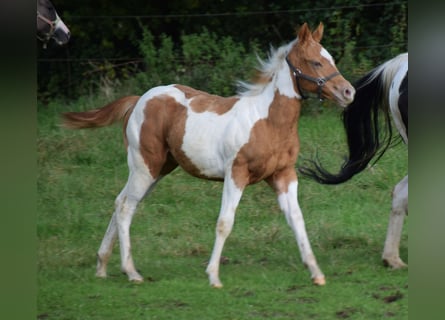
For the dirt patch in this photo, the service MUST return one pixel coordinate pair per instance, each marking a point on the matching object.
(345, 313)
(397, 296)
(388, 298)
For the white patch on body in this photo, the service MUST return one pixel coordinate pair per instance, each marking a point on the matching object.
(284, 83)
(211, 141)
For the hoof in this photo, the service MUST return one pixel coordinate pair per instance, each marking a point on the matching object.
(395, 263)
(137, 281)
(101, 270)
(319, 281)
(217, 285)
(214, 281)
(135, 277)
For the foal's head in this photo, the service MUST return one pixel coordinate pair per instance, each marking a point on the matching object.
(314, 70)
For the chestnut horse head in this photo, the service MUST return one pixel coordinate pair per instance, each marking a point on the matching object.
(314, 69)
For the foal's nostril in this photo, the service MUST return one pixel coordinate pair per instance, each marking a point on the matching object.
(348, 93)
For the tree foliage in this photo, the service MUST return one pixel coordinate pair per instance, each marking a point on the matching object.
(206, 43)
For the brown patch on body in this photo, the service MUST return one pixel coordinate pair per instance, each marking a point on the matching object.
(160, 113)
(272, 147)
(162, 134)
(202, 101)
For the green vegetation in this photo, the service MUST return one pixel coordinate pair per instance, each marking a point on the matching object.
(81, 172)
(105, 48)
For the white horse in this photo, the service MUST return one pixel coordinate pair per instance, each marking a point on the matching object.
(240, 140)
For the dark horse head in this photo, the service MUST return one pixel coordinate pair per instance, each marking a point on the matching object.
(49, 24)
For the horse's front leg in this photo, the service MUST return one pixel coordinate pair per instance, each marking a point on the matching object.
(399, 210)
(230, 199)
(286, 185)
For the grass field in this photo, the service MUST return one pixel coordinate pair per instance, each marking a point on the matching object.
(81, 172)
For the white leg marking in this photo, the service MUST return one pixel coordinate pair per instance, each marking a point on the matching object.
(230, 199)
(124, 218)
(289, 205)
(139, 182)
(395, 226)
(108, 241)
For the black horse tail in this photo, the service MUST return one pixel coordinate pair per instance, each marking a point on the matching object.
(368, 135)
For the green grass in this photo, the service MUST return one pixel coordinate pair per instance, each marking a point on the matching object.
(81, 172)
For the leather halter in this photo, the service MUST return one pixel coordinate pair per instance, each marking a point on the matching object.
(52, 24)
(319, 81)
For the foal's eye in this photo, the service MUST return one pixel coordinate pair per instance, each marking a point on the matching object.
(316, 64)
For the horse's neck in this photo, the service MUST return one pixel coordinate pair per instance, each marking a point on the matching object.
(284, 111)
(276, 100)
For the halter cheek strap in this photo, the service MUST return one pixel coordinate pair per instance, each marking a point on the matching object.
(52, 29)
(320, 82)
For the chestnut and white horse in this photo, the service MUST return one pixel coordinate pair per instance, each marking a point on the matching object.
(240, 140)
(383, 89)
(49, 24)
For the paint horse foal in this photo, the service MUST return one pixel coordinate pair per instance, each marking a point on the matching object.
(383, 89)
(240, 140)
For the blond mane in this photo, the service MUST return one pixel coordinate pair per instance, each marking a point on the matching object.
(266, 71)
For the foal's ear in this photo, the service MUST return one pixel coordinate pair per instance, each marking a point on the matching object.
(318, 33)
(304, 33)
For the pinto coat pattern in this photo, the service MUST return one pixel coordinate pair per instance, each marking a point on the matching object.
(239, 140)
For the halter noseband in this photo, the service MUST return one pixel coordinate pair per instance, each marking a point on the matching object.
(52, 29)
(319, 81)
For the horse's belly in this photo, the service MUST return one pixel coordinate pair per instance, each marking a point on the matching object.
(210, 143)
(202, 161)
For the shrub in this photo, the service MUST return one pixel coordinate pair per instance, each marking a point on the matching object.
(203, 61)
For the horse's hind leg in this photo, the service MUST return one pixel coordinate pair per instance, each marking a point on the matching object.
(136, 187)
(399, 210)
(139, 182)
(107, 244)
